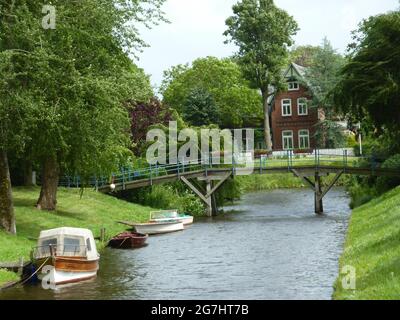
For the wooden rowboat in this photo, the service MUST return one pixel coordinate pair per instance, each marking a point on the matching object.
(70, 253)
(128, 240)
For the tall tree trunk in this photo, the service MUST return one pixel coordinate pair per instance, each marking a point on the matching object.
(7, 217)
(28, 173)
(267, 125)
(48, 193)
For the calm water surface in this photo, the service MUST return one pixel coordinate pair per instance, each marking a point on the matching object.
(271, 247)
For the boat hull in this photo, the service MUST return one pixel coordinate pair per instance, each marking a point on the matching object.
(159, 228)
(62, 277)
(128, 240)
(68, 269)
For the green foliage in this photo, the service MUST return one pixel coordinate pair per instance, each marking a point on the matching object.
(371, 79)
(321, 77)
(351, 142)
(329, 134)
(65, 96)
(236, 103)
(6, 277)
(228, 192)
(360, 193)
(378, 147)
(384, 184)
(303, 55)
(262, 32)
(200, 109)
(165, 197)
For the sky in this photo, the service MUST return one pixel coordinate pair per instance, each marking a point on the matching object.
(197, 26)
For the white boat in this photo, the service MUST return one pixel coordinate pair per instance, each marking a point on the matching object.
(68, 254)
(171, 215)
(152, 228)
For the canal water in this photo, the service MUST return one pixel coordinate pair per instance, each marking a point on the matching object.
(269, 245)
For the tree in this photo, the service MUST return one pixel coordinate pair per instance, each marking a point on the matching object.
(238, 105)
(370, 84)
(321, 77)
(143, 117)
(200, 109)
(16, 102)
(263, 32)
(78, 78)
(303, 55)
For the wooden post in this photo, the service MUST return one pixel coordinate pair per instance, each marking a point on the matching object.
(21, 266)
(319, 207)
(151, 175)
(123, 178)
(212, 209)
(103, 235)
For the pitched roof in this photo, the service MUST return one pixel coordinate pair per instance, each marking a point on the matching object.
(295, 69)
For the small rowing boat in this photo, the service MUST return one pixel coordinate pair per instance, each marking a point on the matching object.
(152, 228)
(171, 215)
(128, 240)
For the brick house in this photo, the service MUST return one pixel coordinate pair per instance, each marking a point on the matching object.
(292, 120)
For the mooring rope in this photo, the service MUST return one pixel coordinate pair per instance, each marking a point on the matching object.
(33, 274)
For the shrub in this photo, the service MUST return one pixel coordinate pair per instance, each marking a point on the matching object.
(361, 194)
(386, 183)
(165, 197)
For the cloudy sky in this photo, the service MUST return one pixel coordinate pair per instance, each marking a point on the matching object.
(197, 25)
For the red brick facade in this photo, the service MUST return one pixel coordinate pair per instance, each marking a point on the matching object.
(293, 123)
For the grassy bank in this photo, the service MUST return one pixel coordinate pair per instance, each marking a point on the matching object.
(373, 249)
(256, 182)
(93, 211)
(267, 182)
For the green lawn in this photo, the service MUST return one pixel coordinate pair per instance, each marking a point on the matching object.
(93, 211)
(373, 249)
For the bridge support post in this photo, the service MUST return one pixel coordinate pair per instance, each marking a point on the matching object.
(212, 209)
(319, 206)
(316, 186)
(209, 197)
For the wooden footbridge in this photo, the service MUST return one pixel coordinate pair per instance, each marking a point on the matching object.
(310, 168)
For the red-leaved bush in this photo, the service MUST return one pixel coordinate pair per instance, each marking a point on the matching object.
(143, 116)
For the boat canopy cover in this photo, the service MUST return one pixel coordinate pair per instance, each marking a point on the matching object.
(61, 233)
(66, 231)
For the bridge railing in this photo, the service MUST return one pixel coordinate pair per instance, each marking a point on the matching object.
(290, 161)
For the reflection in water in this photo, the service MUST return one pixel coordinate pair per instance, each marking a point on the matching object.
(271, 246)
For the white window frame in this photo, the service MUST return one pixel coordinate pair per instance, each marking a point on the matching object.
(286, 137)
(302, 136)
(294, 86)
(285, 105)
(302, 102)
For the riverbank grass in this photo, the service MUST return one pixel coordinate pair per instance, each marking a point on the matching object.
(92, 211)
(373, 249)
(254, 183)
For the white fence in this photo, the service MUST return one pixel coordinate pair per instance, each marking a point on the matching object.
(322, 152)
(336, 152)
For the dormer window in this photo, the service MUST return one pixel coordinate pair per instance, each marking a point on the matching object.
(293, 86)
